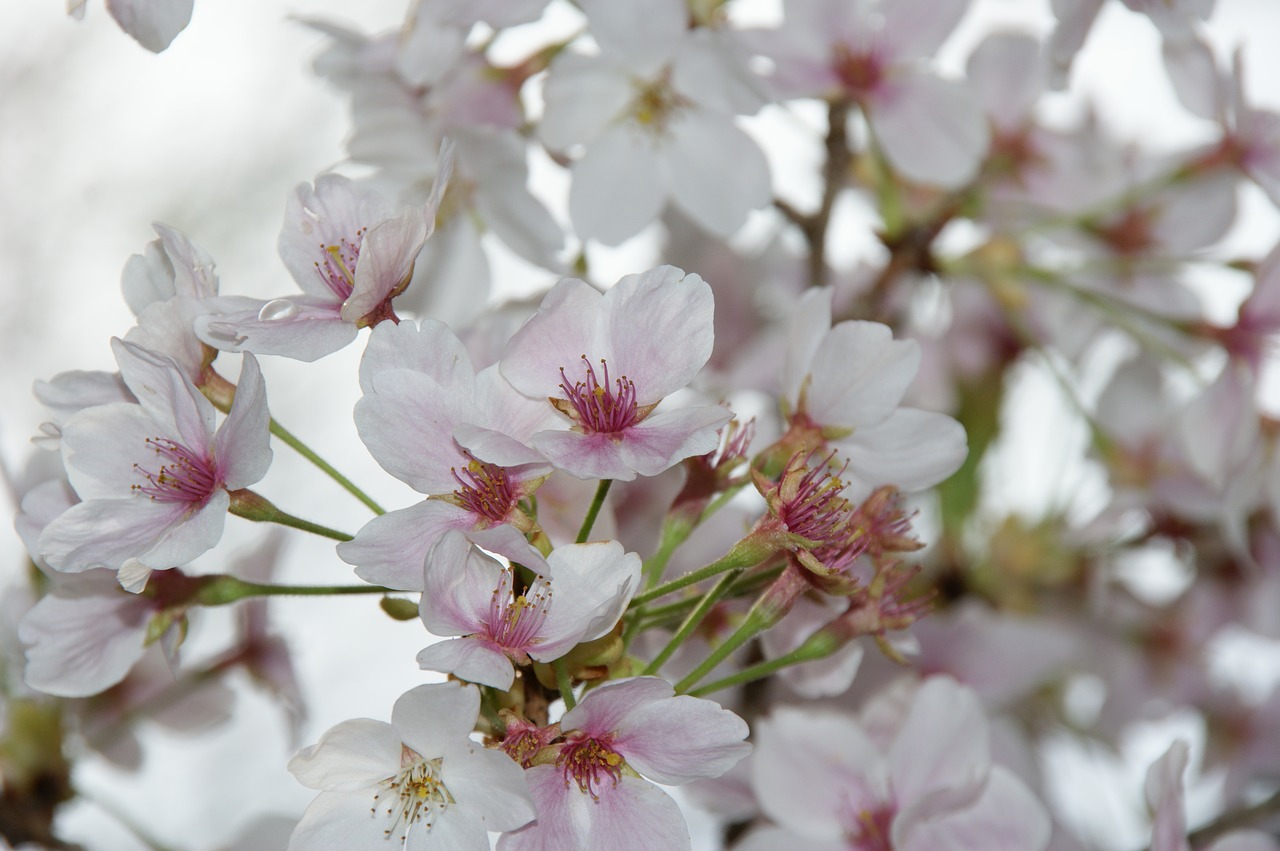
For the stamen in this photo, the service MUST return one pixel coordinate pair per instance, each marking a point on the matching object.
(596, 407)
(515, 621)
(484, 489)
(184, 476)
(414, 796)
(812, 506)
(338, 263)
(589, 762)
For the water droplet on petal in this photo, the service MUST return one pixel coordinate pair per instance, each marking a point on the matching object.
(277, 310)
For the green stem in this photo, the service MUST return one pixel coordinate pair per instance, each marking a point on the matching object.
(692, 621)
(223, 589)
(306, 452)
(739, 556)
(807, 652)
(602, 490)
(251, 506)
(561, 667)
(657, 615)
(754, 623)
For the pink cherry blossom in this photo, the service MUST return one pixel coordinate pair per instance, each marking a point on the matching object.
(592, 797)
(830, 784)
(418, 783)
(606, 361)
(578, 595)
(154, 476)
(844, 384)
(349, 252)
(422, 396)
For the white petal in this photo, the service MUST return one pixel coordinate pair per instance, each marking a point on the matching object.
(243, 440)
(618, 186)
(432, 719)
(352, 755)
(641, 36)
(429, 347)
(931, 129)
(472, 659)
(153, 23)
(716, 172)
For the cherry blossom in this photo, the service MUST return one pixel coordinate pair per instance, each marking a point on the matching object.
(349, 252)
(595, 795)
(154, 476)
(606, 361)
(418, 783)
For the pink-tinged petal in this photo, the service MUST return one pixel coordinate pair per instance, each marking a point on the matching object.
(505, 204)
(808, 328)
(1006, 817)
(636, 815)
(681, 739)
(716, 172)
(1197, 214)
(1220, 427)
(859, 374)
(333, 213)
(391, 549)
(564, 815)
(431, 719)
(172, 266)
(154, 24)
(1008, 74)
(912, 450)
(666, 438)
(459, 587)
(605, 707)
(581, 97)
(644, 316)
(243, 442)
(304, 328)
(342, 821)
(507, 419)
(930, 129)
(618, 186)
(941, 752)
(110, 532)
(350, 756)
(811, 768)
(557, 336)
(641, 37)
(914, 29)
(825, 677)
(593, 584)
(166, 394)
(489, 787)
(508, 541)
(408, 421)
(191, 537)
(1164, 792)
(451, 280)
(68, 393)
(429, 347)
(1075, 19)
(779, 839)
(101, 445)
(1194, 74)
(84, 636)
(386, 262)
(40, 505)
(476, 660)
(585, 456)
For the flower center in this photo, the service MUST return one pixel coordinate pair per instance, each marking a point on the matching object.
(872, 830)
(184, 476)
(655, 103)
(515, 621)
(589, 762)
(484, 489)
(415, 795)
(338, 264)
(595, 406)
(858, 71)
(811, 503)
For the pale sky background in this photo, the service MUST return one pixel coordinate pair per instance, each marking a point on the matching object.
(98, 138)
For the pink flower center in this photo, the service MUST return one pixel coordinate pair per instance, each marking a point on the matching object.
(484, 489)
(337, 269)
(597, 407)
(515, 621)
(812, 506)
(184, 476)
(859, 71)
(872, 830)
(589, 762)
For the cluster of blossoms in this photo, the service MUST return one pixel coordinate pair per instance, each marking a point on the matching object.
(661, 516)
